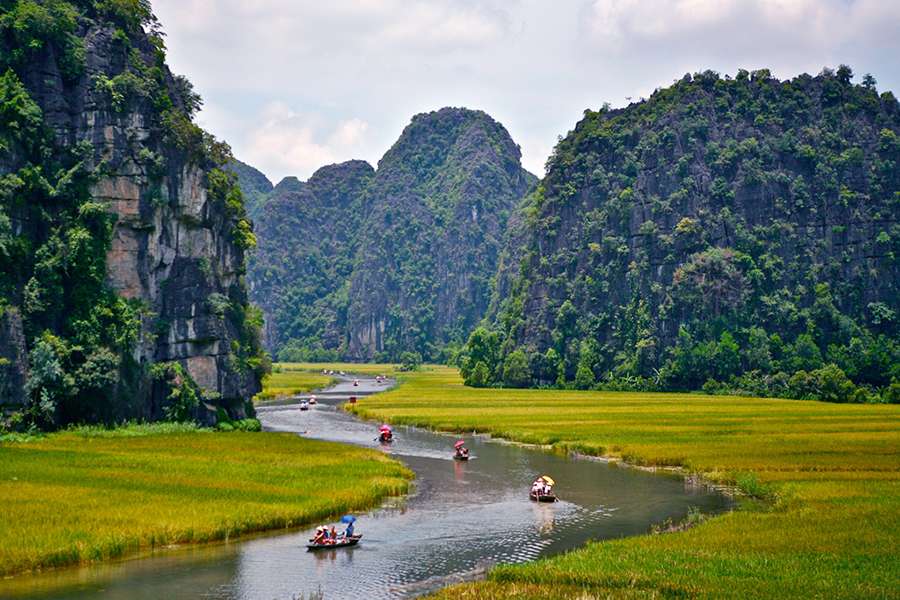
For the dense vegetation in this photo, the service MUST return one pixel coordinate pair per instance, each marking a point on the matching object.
(80, 336)
(731, 234)
(821, 509)
(91, 494)
(309, 233)
(255, 186)
(363, 264)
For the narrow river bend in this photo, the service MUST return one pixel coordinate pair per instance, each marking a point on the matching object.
(459, 520)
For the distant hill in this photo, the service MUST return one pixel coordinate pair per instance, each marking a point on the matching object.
(362, 264)
(730, 232)
(307, 236)
(254, 184)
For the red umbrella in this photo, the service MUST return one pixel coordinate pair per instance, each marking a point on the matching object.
(459, 443)
(385, 428)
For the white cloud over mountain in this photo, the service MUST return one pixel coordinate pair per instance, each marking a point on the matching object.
(293, 85)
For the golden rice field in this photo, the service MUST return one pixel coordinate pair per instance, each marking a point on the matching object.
(830, 473)
(76, 497)
(288, 381)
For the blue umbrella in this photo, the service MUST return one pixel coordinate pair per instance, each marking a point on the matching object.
(348, 519)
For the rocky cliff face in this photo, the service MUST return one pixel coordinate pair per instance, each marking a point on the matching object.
(756, 216)
(362, 264)
(174, 249)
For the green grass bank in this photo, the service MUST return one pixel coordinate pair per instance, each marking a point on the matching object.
(89, 495)
(830, 475)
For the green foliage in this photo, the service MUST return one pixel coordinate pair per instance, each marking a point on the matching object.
(370, 264)
(479, 376)
(53, 269)
(184, 395)
(771, 274)
(516, 370)
(410, 361)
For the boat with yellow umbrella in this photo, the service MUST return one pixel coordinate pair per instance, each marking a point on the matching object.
(542, 490)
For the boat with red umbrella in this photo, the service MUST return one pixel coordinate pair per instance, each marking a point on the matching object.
(462, 453)
(385, 434)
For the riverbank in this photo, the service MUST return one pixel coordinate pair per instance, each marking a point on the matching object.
(829, 475)
(90, 495)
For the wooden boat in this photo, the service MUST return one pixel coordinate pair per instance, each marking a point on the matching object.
(543, 497)
(341, 543)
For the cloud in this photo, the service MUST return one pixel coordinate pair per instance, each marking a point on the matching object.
(294, 84)
(624, 25)
(288, 142)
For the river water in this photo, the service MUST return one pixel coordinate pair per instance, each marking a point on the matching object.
(459, 520)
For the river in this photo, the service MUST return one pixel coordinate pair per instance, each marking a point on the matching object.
(459, 520)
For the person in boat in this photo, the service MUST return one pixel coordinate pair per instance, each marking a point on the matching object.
(332, 536)
(462, 452)
(348, 533)
(536, 488)
(320, 536)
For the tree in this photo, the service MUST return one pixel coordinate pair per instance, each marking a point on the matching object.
(410, 361)
(727, 357)
(516, 372)
(584, 377)
(479, 376)
(758, 355)
(483, 347)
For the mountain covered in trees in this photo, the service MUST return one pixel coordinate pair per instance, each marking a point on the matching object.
(122, 239)
(255, 186)
(368, 264)
(736, 234)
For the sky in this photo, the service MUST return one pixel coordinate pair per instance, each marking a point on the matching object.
(294, 85)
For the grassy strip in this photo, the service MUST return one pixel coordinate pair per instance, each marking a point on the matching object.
(291, 381)
(85, 495)
(830, 471)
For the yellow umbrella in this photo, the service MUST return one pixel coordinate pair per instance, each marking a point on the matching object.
(548, 480)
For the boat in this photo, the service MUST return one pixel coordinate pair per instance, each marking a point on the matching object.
(545, 493)
(462, 453)
(543, 497)
(340, 543)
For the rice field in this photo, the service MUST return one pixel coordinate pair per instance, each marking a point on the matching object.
(90, 495)
(287, 381)
(829, 475)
